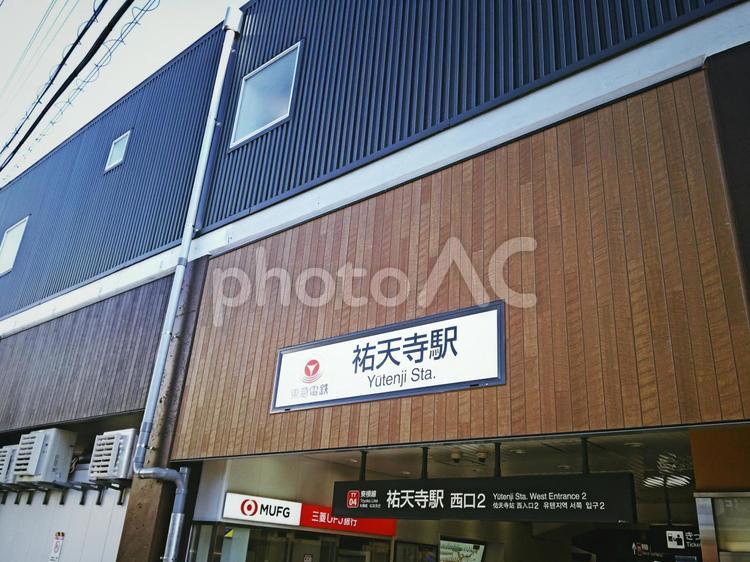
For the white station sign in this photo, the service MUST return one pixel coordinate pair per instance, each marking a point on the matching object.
(443, 352)
(262, 510)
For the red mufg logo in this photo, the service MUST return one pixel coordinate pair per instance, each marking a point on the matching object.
(312, 371)
(249, 507)
(352, 499)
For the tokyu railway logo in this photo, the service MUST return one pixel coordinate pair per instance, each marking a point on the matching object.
(265, 510)
(312, 371)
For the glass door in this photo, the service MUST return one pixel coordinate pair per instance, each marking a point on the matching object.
(313, 549)
(229, 543)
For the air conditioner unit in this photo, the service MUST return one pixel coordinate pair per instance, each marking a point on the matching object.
(7, 459)
(44, 456)
(112, 454)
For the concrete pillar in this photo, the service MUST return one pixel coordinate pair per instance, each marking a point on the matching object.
(150, 502)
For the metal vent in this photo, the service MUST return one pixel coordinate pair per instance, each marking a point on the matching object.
(110, 459)
(44, 456)
(7, 456)
(28, 454)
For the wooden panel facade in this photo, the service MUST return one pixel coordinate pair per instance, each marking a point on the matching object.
(94, 362)
(640, 318)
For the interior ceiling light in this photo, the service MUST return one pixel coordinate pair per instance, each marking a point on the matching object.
(355, 461)
(673, 481)
(678, 481)
(667, 463)
(563, 466)
(405, 472)
(517, 451)
(634, 444)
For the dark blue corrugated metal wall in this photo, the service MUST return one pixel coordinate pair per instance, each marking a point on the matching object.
(84, 222)
(373, 77)
(376, 75)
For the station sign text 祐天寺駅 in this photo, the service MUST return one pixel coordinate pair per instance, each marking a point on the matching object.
(458, 349)
(590, 498)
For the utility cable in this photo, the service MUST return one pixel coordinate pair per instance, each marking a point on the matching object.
(76, 71)
(82, 31)
(45, 44)
(42, 47)
(27, 48)
(81, 83)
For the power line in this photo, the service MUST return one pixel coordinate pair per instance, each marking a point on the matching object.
(22, 57)
(44, 46)
(46, 42)
(55, 73)
(51, 27)
(103, 61)
(81, 65)
(92, 76)
(27, 48)
(81, 83)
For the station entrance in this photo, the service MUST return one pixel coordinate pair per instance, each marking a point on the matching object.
(665, 526)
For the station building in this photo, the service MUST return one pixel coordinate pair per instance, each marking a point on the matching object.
(458, 281)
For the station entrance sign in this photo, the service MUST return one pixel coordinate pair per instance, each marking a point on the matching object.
(592, 498)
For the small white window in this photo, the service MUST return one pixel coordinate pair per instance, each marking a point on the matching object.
(10, 245)
(266, 95)
(117, 151)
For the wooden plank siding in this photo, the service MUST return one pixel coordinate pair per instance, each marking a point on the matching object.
(640, 319)
(93, 362)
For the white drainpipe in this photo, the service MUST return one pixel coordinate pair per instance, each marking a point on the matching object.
(232, 23)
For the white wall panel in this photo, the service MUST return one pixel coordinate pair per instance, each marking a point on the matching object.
(92, 532)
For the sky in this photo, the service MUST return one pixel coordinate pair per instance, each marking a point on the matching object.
(161, 35)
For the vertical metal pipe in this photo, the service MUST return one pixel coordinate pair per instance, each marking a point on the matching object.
(177, 519)
(232, 23)
(498, 458)
(425, 455)
(231, 27)
(363, 465)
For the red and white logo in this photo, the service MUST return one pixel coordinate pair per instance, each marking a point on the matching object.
(312, 371)
(249, 507)
(266, 510)
(352, 499)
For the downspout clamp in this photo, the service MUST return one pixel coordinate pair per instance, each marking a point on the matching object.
(231, 28)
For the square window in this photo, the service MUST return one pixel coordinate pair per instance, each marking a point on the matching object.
(266, 95)
(10, 245)
(117, 151)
